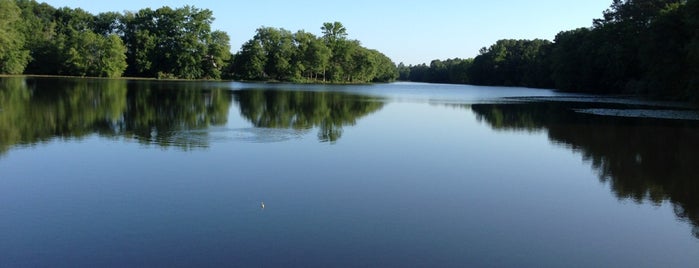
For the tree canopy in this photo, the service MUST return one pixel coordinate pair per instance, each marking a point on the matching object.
(64, 42)
(278, 54)
(37, 38)
(164, 43)
(173, 43)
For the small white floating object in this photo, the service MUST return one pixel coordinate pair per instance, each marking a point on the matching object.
(262, 205)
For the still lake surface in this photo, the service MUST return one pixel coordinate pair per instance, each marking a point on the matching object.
(99, 173)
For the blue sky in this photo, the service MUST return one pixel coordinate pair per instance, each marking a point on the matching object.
(407, 31)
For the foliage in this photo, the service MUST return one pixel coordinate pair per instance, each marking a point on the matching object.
(166, 42)
(174, 43)
(645, 47)
(511, 63)
(63, 42)
(448, 71)
(13, 56)
(278, 54)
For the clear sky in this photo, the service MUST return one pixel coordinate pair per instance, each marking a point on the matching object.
(407, 31)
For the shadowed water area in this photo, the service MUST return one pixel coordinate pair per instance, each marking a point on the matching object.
(120, 173)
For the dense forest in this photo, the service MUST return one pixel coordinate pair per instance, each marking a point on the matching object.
(174, 43)
(644, 47)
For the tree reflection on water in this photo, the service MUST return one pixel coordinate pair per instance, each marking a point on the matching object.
(167, 114)
(645, 160)
(41, 109)
(300, 110)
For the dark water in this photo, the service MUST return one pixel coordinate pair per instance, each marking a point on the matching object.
(100, 173)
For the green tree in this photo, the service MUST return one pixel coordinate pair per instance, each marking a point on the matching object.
(511, 63)
(173, 43)
(334, 31)
(278, 47)
(341, 66)
(663, 57)
(312, 55)
(335, 37)
(455, 71)
(90, 54)
(62, 41)
(572, 67)
(107, 23)
(41, 33)
(140, 42)
(640, 13)
(385, 70)
(13, 55)
(404, 72)
(249, 63)
(219, 53)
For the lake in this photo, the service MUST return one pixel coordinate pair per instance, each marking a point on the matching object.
(120, 173)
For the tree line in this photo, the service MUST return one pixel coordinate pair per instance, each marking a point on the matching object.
(174, 43)
(164, 43)
(644, 47)
(278, 54)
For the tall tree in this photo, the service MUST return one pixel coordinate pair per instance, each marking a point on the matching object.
(219, 53)
(90, 54)
(278, 46)
(334, 31)
(249, 63)
(312, 55)
(13, 56)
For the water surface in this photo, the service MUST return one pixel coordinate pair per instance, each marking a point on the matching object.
(98, 173)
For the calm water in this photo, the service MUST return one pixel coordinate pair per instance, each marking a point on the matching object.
(99, 173)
